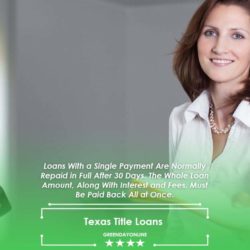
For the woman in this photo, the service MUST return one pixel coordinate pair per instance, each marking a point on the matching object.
(212, 62)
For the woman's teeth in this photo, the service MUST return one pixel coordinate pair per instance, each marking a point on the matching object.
(221, 61)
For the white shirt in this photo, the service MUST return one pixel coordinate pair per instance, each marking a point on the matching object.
(190, 141)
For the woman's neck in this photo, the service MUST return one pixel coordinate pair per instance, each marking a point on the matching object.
(223, 108)
(222, 92)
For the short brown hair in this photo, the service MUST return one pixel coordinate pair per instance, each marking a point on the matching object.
(186, 63)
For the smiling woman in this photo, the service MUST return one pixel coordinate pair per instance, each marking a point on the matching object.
(212, 63)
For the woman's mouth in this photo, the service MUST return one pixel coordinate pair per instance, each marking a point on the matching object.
(221, 61)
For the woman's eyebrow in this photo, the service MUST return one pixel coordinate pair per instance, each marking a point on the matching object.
(239, 29)
(211, 26)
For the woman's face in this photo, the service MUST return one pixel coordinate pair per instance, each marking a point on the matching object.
(224, 44)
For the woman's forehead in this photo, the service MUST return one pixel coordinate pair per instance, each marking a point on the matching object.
(231, 16)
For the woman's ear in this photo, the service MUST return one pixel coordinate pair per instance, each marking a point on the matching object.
(4, 203)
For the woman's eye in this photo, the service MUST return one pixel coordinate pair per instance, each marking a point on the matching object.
(238, 36)
(210, 33)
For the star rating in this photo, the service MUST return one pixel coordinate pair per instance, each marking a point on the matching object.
(109, 243)
(121, 243)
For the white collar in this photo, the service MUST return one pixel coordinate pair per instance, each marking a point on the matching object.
(200, 106)
(242, 113)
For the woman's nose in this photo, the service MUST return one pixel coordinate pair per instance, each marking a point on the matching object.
(220, 46)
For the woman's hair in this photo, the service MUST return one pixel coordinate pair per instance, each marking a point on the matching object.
(186, 63)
